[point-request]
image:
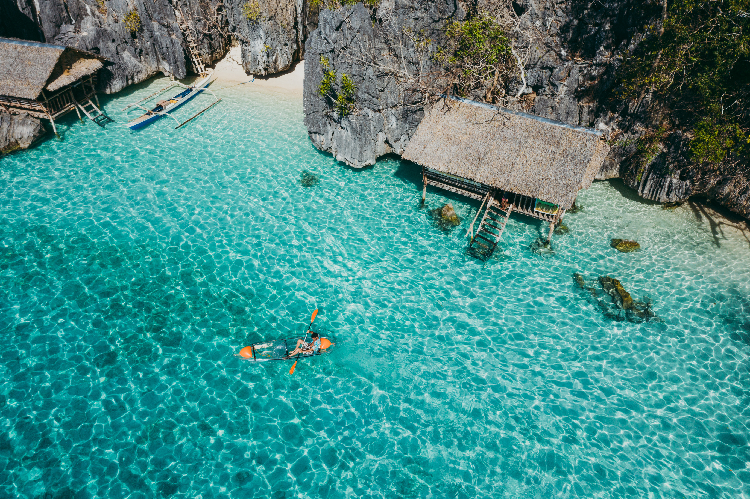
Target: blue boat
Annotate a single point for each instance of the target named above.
(163, 107)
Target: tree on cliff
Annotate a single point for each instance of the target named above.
(695, 64)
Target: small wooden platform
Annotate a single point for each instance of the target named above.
(496, 207)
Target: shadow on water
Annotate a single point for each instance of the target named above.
(718, 218)
(407, 171)
(629, 193)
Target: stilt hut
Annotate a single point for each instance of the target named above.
(48, 81)
(511, 161)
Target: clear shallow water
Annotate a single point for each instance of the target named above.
(134, 265)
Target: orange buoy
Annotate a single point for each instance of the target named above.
(325, 343)
(247, 352)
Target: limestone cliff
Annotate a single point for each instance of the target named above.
(270, 43)
(572, 50)
(18, 131)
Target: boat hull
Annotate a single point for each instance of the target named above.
(183, 97)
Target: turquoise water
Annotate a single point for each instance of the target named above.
(133, 266)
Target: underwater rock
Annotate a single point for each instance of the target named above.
(614, 288)
(445, 217)
(308, 179)
(625, 245)
(562, 229)
(671, 206)
(541, 247)
(575, 208)
(578, 278)
(618, 304)
(448, 214)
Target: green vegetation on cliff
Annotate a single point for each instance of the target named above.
(335, 4)
(696, 61)
(340, 96)
(478, 55)
(132, 22)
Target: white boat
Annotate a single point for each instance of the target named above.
(163, 107)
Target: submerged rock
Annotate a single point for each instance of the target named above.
(575, 208)
(308, 179)
(562, 229)
(541, 247)
(18, 131)
(671, 206)
(618, 304)
(625, 245)
(445, 217)
(614, 288)
(448, 214)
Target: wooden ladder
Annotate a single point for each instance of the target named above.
(490, 230)
(94, 113)
(198, 65)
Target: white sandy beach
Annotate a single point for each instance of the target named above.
(229, 70)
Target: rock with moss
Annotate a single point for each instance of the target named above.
(616, 302)
(625, 245)
(448, 214)
(18, 131)
(445, 217)
(614, 288)
(561, 229)
(671, 206)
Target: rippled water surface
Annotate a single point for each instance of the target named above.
(133, 266)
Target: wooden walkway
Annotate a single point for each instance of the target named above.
(495, 214)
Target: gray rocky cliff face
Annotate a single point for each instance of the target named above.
(273, 42)
(18, 131)
(269, 45)
(355, 44)
(573, 49)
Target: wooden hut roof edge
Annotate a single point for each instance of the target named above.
(549, 121)
(524, 154)
(26, 67)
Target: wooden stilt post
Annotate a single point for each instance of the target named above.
(551, 229)
(54, 128)
(424, 185)
(93, 90)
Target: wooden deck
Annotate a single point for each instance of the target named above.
(498, 205)
(52, 106)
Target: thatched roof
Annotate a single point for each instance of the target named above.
(508, 150)
(27, 68)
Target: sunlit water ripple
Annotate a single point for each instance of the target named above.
(133, 266)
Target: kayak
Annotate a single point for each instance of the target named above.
(279, 349)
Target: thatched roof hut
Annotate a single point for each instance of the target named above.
(27, 68)
(45, 80)
(507, 150)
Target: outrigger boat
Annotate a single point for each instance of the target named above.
(163, 107)
(280, 349)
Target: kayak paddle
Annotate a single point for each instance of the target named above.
(312, 319)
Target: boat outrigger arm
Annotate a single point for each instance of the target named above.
(163, 108)
(160, 113)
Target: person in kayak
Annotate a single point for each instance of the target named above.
(306, 348)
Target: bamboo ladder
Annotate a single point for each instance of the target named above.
(491, 227)
(195, 59)
(93, 113)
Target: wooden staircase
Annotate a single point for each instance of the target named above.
(94, 113)
(195, 58)
(491, 227)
